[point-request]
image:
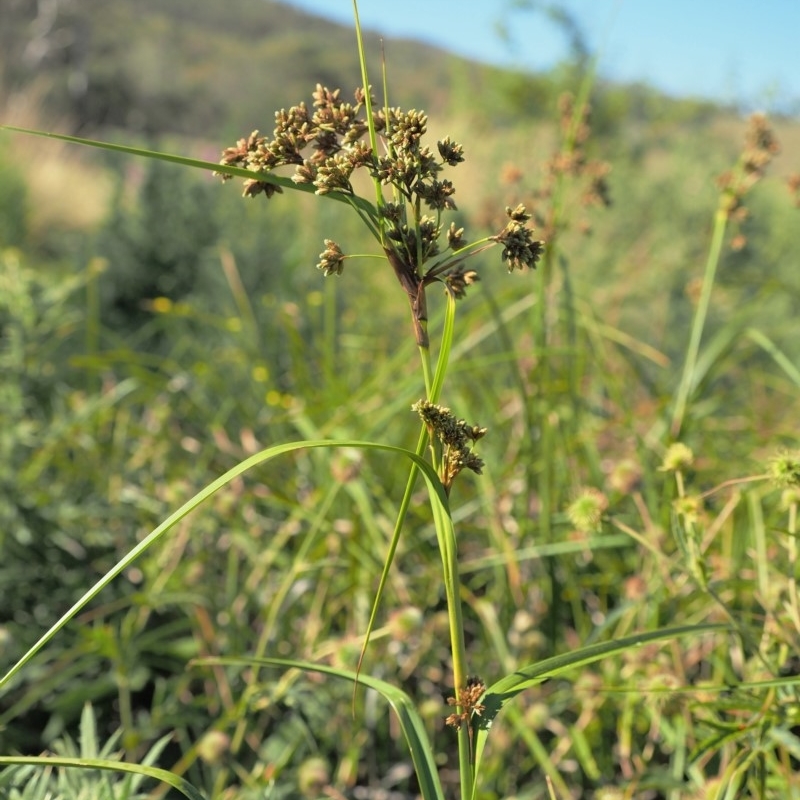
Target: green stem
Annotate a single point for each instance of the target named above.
(686, 384)
(239, 712)
(448, 548)
(329, 340)
(452, 586)
(425, 359)
(125, 704)
(93, 270)
(458, 256)
(544, 406)
(373, 135)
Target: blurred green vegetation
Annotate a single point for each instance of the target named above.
(211, 71)
(193, 67)
(144, 355)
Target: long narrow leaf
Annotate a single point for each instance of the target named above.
(445, 348)
(436, 492)
(175, 781)
(781, 359)
(500, 693)
(410, 722)
(209, 166)
(402, 510)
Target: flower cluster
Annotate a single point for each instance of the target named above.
(586, 511)
(569, 168)
(333, 132)
(331, 261)
(784, 469)
(458, 279)
(456, 436)
(678, 457)
(326, 144)
(520, 249)
(576, 127)
(469, 699)
(793, 184)
(760, 147)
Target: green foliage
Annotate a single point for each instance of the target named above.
(191, 66)
(30, 783)
(13, 202)
(158, 248)
(37, 449)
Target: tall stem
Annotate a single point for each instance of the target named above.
(687, 379)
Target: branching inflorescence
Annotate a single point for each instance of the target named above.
(327, 145)
(456, 438)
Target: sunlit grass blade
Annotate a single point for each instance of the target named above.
(435, 391)
(499, 693)
(410, 722)
(688, 378)
(390, 554)
(176, 782)
(445, 348)
(373, 134)
(503, 691)
(780, 358)
(209, 166)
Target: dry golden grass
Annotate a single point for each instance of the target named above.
(67, 188)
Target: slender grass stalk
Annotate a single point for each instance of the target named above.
(791, 546)
(267, 633)
(698, 323)
(540, 753)
(330, 326)
(373, 136)
(760, 147)
(93, 269)
(166, 777)
(239, 293)
(541, 412)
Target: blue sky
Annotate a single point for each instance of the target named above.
(745, 52)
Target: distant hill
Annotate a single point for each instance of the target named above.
(196, 67)
(212, 70)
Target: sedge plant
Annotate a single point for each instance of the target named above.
(405, 209)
